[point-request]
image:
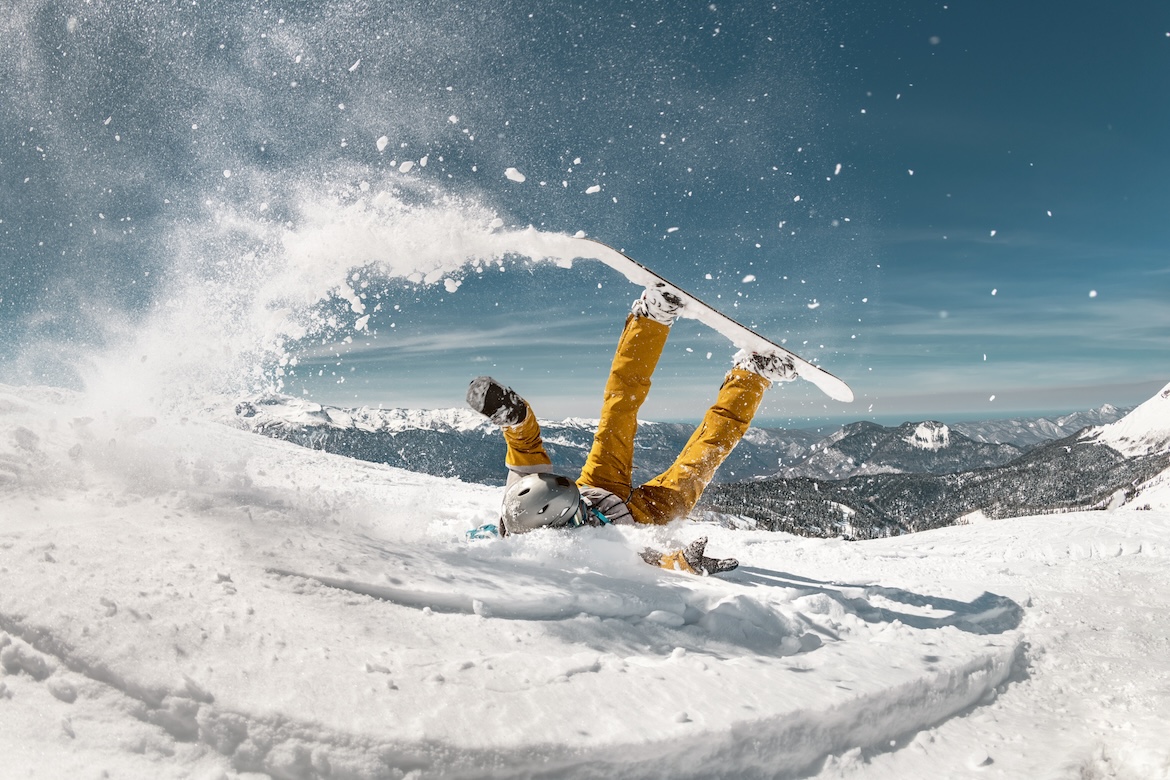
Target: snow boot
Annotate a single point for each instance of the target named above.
(659, 304)
(498, 403)
(773, 366)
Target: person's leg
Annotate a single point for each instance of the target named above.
(610, 463)
(674, 493)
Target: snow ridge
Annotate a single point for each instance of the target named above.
(275, 409)
(1144, 431)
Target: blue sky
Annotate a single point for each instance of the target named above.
(993, 241)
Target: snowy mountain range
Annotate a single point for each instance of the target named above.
(1029, 431)
(460, 443)
(1103, 466)
(929, 447)
(863, 480)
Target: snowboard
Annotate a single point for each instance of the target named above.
(736, 332)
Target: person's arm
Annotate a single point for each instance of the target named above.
(505, 408)
(691, 559)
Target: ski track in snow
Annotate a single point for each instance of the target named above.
(181, 599)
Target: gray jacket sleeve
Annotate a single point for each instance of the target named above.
(614, 509)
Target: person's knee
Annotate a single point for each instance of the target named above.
(657, 505)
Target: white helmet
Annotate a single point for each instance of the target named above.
(541, 501)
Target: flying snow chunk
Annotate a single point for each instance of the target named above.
(227, 174)
(451, 285)
(837, 170)
(796, 199)
(361, 322)
(406, 166)
(354, 67)
(749, 278)
(814, 305)
(515, 175)
(453, 119)
(993, 233)
(594, 189)
(978, 759)
(672, 230)
(1092, 293)
(424, 160)
(383, 142)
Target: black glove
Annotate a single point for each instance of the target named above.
(498, 403)
(689, 559)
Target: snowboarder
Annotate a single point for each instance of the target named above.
(535, 497)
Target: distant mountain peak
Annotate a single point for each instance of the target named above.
(930, 435)
(1144, 431)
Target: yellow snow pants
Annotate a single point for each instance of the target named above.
(673, 493)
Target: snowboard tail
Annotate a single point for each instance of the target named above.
(736, 332)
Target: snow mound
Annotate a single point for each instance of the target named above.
(1144, 431)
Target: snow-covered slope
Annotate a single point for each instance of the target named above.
(181, 599)
(1144, 431)
(1154, 494)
